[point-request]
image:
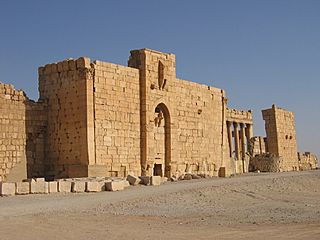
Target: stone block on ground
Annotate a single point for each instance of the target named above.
(133, 180)
(202, 175)
(93, 186)
(53, 187)
(181, 177)
(34, 180)
(7, 189)
(38, 187)
(194, 176)
(78, 186)
(126, 183)
(114, 186)
(164, 179)
(174, 179)
(64, 186)
(22, 188)
(145, 180)
(102, 185)
(187, 176)
(39, 179)
(155, 180)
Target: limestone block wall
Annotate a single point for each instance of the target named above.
(192, 115)
(198, 128)
(281, 136)
(117, 119)
(22, 132)
(67, 87)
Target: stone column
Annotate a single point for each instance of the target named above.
(243, 138)
(249, 131)
(249, 134)
(236, 140)
(229, 131)
(243, 146)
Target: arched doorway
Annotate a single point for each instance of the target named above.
(162, 141)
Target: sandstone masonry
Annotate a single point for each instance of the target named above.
(99, 119)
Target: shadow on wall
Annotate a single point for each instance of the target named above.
(35, 127)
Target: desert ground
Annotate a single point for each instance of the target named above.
(251, 206)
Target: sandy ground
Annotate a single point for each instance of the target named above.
(253, 206)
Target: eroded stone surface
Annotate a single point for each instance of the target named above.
(99, 119)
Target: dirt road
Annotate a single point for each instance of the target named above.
(253, 206)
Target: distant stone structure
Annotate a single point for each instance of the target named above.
(278, 150)
(97, 119)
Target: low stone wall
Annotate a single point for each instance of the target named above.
(265, 163)
(74, 185)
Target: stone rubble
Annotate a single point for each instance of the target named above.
(89, 185)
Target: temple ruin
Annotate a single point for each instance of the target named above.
(96, 118)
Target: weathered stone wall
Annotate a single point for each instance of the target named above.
(191, 115)
(117, 119)
(266, 163)
(22, 133)
(108, 120)
(67, 87)
(281, 136)
(307, 161)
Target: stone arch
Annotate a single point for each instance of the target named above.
(162, 120)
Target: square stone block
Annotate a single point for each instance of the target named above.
(133, 180)
(126, 183)
(39, 187)
(78, 186)
(39, 179)
(7, 189)
(145, 180)
(93, 186)
(64, 186)
(155, 180)
(102, 185)
(53, 187)
(114, 186)
(22, 188)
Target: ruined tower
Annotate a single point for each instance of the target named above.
(281, 136)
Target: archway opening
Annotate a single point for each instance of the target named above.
(162, 141)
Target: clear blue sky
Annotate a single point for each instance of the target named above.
(260, 52)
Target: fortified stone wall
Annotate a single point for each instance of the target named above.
(102, 119)
(281, 136)
(182, 123)
(67, 88)
(117, 119)
(22, 133)
(109, 120)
